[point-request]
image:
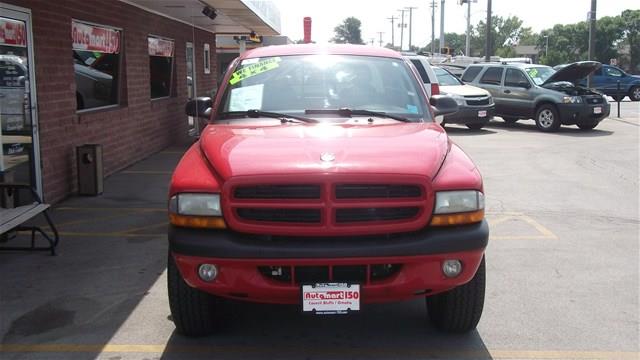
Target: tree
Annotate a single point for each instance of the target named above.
(630, 20)
(348, 32)
(505, 33)
(451, 40)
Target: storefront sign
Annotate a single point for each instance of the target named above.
(160, 47)
(13, 32)
(95, 38)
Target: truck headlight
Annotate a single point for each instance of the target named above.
(572, 99)
(200, 210)
(458, 207)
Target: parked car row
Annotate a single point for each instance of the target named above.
(518, 91)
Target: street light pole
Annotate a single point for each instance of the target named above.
(467, 45)
(487, 45)
(410, 8)
(433, 24)
(441, 25)
(546, 46)
(592, 35)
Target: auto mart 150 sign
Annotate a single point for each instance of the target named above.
(95, 38)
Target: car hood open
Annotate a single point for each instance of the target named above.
(574, 72)
(295, 149)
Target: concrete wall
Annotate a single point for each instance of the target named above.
(130, 132)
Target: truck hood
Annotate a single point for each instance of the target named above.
(386, 147)
(574, 72)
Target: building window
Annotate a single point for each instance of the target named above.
(160, 66)
(96, 64)
(207, 59)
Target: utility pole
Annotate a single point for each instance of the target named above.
(441, 25)
(401, 28)
(371, 40)
(433, 24)
(487, 44)
(592, 35)
(393, 20)
(380, 35)
(410, 8)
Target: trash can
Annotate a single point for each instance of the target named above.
(90, 174)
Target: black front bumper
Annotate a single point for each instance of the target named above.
(228, 244)
(572, 114)
(469, 115)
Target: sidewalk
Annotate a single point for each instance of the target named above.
(117, 238)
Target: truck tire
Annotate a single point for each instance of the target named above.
(547, 118)
(459, 310)
(192, 310)
(634, 93)
(510, 119)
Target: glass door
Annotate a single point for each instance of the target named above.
(19, 158)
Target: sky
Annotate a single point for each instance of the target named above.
(537, 14)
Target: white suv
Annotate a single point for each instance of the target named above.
(427, 74)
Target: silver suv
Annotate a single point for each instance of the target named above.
(552, 98)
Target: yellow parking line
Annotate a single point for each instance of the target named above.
(147, 227)
(539, 227)
(472, 354)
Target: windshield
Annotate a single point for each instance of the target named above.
(445, 78)
(296, 84)
(539, 74)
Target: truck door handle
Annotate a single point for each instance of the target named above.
(507, 91)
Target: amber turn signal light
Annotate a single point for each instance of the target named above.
(202, 222)
(457, 218)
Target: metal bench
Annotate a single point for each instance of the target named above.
(13, 218)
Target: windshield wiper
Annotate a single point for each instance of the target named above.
(255, 113)
(346, 112)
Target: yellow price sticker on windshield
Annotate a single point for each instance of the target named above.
(254, 69)
(533, 72)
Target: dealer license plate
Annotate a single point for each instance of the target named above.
(330, 298)
(597, 110)
(482, 113)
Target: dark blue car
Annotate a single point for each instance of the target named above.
(605, 80)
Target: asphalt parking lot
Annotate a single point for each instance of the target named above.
(563, 268)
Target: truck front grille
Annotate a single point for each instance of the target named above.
(336, 205)
(593, 99)
(477, 101)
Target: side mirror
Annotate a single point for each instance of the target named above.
(443, 105)
(199, 107)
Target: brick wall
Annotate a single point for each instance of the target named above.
(131, 132)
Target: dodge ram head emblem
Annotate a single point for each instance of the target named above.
(327, 157)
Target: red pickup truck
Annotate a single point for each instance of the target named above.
(322, 180)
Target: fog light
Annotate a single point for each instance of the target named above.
(207, 272)
(452, 268)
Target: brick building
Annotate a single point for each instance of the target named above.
(114, 73)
